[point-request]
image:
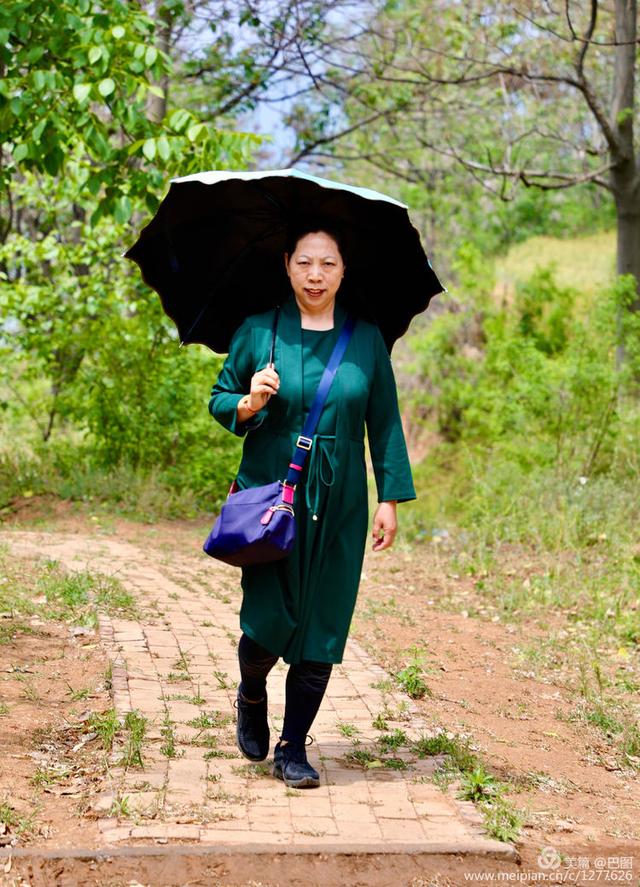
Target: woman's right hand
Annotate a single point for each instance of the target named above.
(264, 383)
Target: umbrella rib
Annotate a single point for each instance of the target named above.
(230, 267)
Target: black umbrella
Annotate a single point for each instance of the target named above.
(214, 249)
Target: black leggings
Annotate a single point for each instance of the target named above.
(305, 687)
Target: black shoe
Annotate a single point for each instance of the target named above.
(290, 764)
(252, 728)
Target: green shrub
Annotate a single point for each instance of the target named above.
(539, 426)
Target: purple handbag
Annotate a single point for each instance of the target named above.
(257, 525)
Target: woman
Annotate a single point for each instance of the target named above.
(300, 608)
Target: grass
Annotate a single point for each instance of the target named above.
(224, 682)
(392, 741)
(348, 730)
(586, 263)
(214, 719)
(106, 725)
(410, 677)
(501, 819)
(120, 807)
(44, 588)
(380, 722)
(168, 747)
(135, 727)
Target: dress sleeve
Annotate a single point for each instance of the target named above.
(234, 382)
(387, 445)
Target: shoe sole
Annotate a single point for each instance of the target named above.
(305, 782)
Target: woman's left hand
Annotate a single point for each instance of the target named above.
(385, 525)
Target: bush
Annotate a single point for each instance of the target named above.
(539, 426)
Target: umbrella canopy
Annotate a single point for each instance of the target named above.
(214, 251)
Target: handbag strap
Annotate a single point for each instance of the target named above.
(305, 440)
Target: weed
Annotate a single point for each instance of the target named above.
(456, 750)
(29, 690)
(385, 685)
(392, 741)
(77, 695)
(410, 677)
(120, 807)
(477, 785)
(214, 777)
(214, 719)
(348, 729)
(363, 757)
(135, 726)
(502, 821)
(379, 722)
(197, 699)
(176, 677)
(253, 771)
(207, 624)
(223, 680)
(630, 745)
(4, 709)
(106, 725)
(219, 753)
(7, 815)
(48, 775)
(395, 764)
(108, 677)
(182, 662)
(168, 747)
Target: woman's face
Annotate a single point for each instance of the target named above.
(315, 270)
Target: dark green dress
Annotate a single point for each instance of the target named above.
(300, 608)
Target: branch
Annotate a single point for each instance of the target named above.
(564, 180)
(587, 38)
(326, 140)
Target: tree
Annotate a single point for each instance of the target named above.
(540, 95)
(76, 79)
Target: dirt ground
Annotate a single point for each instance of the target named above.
(567, 783)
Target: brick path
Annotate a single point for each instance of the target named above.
(177, 667)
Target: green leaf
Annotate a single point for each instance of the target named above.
(38, 129)
(95, 53)
(156, 90)
(106, 87)
(53, 161)
(118, 32)
(164, 148)
(194, 132)
(20, 152)
(93, 184)
(135, 146)
(179, 119)
(123, 210)
(149, 149)
(39, 80)
(150, 56)
(81, 92)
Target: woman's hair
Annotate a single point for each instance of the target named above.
(303, 225)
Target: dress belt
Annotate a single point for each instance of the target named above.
(321, 470)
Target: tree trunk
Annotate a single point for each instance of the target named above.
(625, 174)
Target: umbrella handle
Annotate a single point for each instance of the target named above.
(273, 337)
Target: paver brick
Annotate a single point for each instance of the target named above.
(370, 807)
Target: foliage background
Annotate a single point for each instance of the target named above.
(514, 378)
